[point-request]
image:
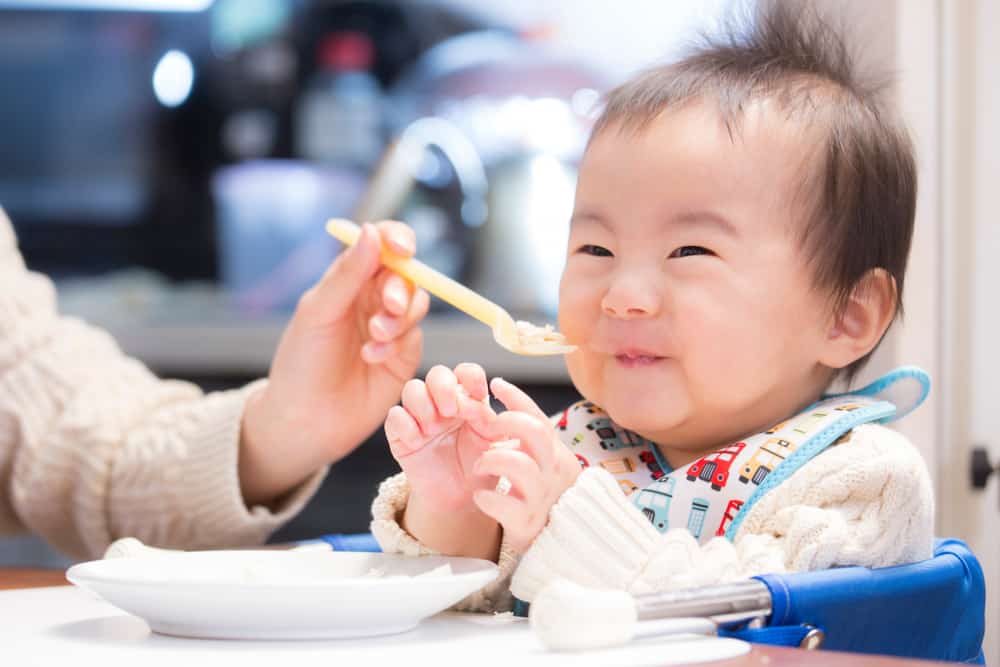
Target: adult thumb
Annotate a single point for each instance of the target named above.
(341, 284)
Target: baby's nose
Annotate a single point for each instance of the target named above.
(629, 298)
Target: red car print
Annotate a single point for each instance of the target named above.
(727, 518)
(655, 471)
(563, 421)
(584, 463)
(714, 468)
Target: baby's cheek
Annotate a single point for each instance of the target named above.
(723, 356)
(584, 373)
(578, 314)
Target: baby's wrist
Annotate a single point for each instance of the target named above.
(462, 531)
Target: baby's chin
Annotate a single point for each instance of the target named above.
(646, 418)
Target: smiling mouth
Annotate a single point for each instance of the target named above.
(629, 360)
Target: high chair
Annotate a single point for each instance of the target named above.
(934, 609)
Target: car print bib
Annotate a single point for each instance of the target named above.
(710, 496)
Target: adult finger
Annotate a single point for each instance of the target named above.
(395, 292)
(398, 237)
(344, 280)
(407, 347)
(385, 326)
(420, 303)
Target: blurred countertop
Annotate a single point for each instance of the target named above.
(195, 330)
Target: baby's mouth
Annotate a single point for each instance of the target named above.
(637, 359)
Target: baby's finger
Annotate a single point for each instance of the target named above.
(537, 437)
(473, 378)
(397, 237)
(510, 512)
(514, 399)
(443, 387)
(474, 403)
(520, 470)
(402, 432)
(417, 401)
(477, 413)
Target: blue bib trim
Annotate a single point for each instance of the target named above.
(905, 377)
(880, 412)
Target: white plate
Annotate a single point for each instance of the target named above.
(282, 594)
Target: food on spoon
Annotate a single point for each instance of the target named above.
(531, 334)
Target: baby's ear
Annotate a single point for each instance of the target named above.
(859, 326)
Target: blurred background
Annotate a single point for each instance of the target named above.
(170, 164)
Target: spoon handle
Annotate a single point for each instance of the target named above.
(420, 274)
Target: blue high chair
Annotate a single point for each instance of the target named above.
(934, 609)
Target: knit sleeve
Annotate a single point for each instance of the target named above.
(387, 507)
(94, 447)
(868, 501)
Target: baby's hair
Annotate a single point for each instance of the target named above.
(861, 181)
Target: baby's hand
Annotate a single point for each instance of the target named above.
(537, 471)
(437, 434)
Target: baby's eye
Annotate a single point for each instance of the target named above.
(689, 251)
(595, 250)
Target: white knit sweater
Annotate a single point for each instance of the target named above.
(94, 447)
(866, 502)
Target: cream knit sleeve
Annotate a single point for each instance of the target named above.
(94, 447)
(390, 502)
(868, 501)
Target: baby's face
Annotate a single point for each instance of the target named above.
(686, 287)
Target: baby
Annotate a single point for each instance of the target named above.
(739, 241)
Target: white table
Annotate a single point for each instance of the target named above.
(69, 626)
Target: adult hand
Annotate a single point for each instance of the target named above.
(351, 345)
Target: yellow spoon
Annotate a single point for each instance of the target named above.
(518, 337)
